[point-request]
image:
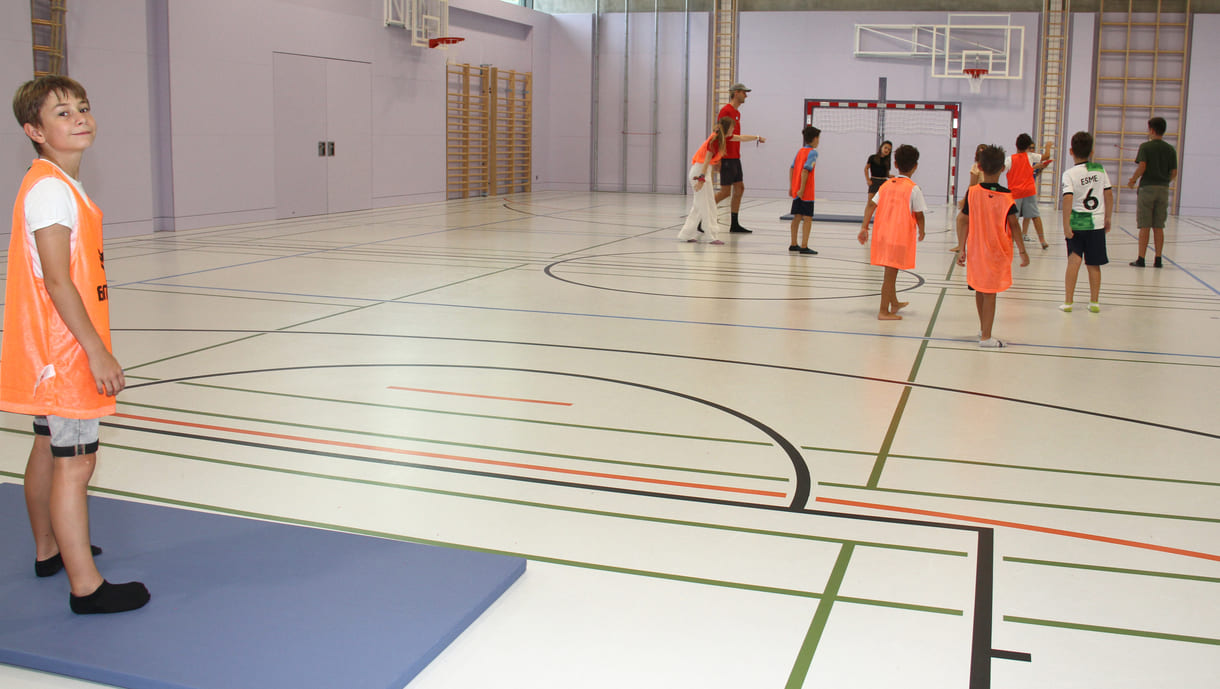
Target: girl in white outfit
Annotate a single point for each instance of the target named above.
(703, 208)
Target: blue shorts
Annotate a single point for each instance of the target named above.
(69, 437)
(802, 208)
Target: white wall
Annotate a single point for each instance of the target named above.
(223, 121)
(786, 57)
(1199, 156)
(641, 41)
(108, 54)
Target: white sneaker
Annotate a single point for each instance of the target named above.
(1094, 307)
(991, 343)
(1066, 308)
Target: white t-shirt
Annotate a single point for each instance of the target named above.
(1086, 182)
(918, 204)
(51, 202)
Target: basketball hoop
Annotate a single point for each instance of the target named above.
(976, 75)
(446, 41)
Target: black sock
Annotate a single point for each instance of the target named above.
(110, 598)
(735, 223)
(52, 565)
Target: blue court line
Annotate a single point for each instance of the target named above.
(1175, 264)
(918, 338)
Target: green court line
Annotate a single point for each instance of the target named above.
(526, 503)
(1092, 358)
(840, 451)
(1026, 503)
(1024, 467)
(1113, 630)
(532, 453)
(804, 658)
(536, 558)
(882, 454)
(482, 416)
(1114, 570)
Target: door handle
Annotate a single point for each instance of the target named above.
(330, 148)
(321, 149)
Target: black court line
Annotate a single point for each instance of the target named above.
(611, 350)
(551, 272)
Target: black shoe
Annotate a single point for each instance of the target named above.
(739, 229)
(1138, 263)
(807, 250)
(794, 247)
(1156, 262)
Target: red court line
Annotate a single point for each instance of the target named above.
(1028, 527)
(485, 397)
(458, 458)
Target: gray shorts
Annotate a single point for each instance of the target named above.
(1151, 207)
(69, 437)
(1027, 207)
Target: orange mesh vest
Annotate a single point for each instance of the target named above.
(43, 369)
(798, 165)
(895, 231)
(1021, 176)
(989, 243)
(714, 145)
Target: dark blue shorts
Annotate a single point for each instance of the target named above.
(1091, 244)
(800, 207)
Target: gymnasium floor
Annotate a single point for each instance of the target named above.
(724, 471)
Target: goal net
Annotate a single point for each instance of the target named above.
(853, 130)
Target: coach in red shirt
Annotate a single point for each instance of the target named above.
(731, 177)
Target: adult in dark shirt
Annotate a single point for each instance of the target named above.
(877, 168)
(1156, 167)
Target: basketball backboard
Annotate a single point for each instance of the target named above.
(965, 41)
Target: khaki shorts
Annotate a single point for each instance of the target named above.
(69, 437)
(1152, 207)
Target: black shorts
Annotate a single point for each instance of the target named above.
(874, 185)
(730, 171)
(1091, 244)
(802, 208)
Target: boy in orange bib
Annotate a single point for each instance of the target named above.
(986, 228)
(899, 205)
(56, 363)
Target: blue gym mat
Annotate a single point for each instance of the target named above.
(241, 603)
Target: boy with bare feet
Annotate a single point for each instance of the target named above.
(899, 206)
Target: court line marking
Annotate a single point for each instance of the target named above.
(1020, 467)
(494, 448)
(1026, 527)
(1025, 503)
(455, 458)
(913, 607)
(778, 367)
(1077, 626)
(891, 432)
(483, 397)
(1175, 264)
(493, 417)
(1112, 570)
(817, 626)
(817, 331)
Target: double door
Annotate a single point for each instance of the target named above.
(323, 135)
